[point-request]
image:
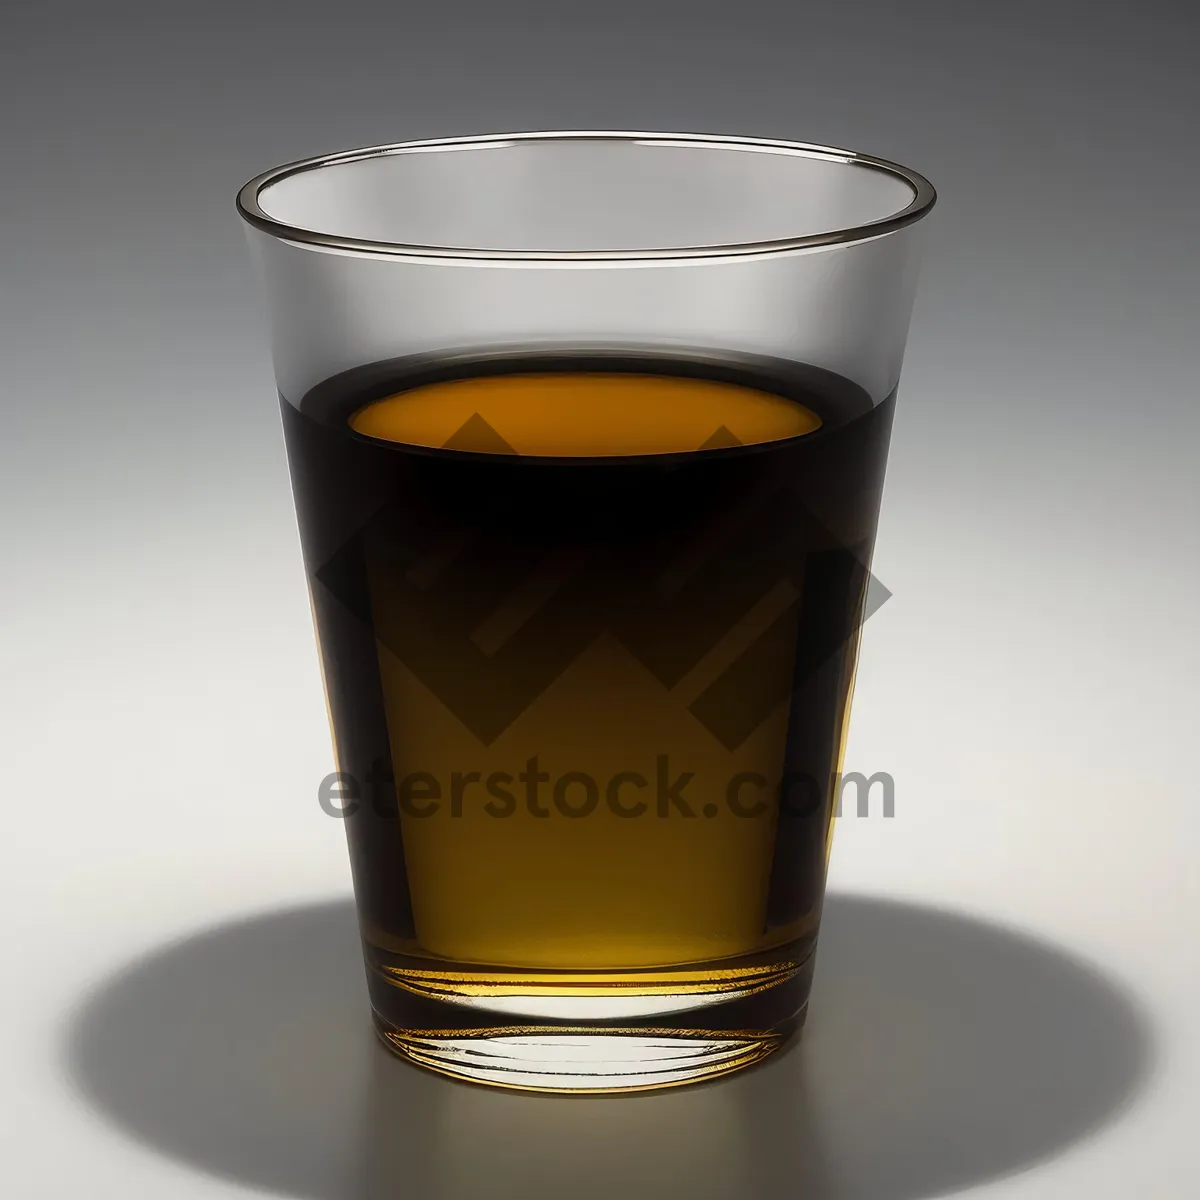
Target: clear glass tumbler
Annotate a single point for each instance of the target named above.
(587, 434)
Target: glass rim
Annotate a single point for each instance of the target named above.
(249, 208)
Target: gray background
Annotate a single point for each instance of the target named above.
(1030, 686)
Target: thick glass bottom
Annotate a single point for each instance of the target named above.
(581, 1058)
(594, 1032)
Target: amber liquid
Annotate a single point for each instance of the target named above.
(588, 627)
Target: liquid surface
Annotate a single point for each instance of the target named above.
(583, 415)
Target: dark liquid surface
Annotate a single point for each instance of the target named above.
(591, 708)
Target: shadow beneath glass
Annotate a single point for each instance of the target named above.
(940, 1052)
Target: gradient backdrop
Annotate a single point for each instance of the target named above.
(1030, 686)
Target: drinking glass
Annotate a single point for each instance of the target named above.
(587, 433)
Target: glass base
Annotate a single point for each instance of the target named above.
(580, 1058)
(573, 1033)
